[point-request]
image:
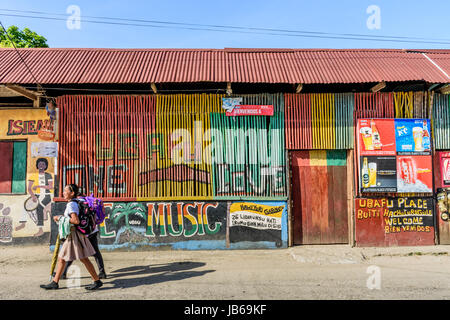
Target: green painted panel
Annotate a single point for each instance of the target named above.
(19, 167)
(336, 157)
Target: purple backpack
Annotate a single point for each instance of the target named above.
(96, 206)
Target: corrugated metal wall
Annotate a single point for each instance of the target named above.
(326, 121)
(138, 147)
(441, 121)
(319, 121)
(250, 159)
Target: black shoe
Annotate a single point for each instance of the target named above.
(51, 286)
(102, 275)
(97, 284)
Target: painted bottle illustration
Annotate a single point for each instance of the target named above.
(376, 141)
(418, 138)
(373, 174)
(426, 137)
(365, 174)
(366, 133)
(408, 170)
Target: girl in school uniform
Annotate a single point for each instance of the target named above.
(76, 246)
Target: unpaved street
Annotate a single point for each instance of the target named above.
(304, 272)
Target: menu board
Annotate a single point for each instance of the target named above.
(394, 155)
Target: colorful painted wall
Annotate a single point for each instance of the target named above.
(135, 148)
(27, 178)
(181, 150)
(193, 225)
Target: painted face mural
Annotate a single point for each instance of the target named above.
(38, 205)
(29, 187)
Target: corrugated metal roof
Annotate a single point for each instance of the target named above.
(308, 66)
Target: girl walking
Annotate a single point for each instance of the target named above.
(76, 246)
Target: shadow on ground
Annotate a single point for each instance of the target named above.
(152, 274)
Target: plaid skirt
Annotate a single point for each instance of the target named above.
(76, 246)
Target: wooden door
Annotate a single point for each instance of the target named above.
(319, 193)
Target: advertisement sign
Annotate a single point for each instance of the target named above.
(445, 168)
(378, 174)
(414, 174)
(257, 221)
(394, 221)
(376, 137)
(251, 110)
(256, 216)
(395, 155)
(412, 136)
(230, 103)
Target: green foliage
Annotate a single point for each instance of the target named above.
(125, 210)
(22, 39)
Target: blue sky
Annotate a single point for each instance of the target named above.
(424, 19)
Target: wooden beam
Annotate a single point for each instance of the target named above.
(378, 86)
(299, 88)
(6, 93)
(16, 104)
(153, 85)
(32, 95)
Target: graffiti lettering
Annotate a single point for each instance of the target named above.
(128, 146)
(115, 177)
(29, 127)
(250, 180)
(192, 219)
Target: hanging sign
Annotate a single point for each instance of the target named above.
(251, 110)
(445, 168)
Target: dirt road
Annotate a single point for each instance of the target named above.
(305, 272)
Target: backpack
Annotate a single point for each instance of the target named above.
(90, 214)
(97, 206)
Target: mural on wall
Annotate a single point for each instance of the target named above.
(394, 221)
(253, 221)
(190, 224)
(38, 205)
(169, 147)
(27, 208)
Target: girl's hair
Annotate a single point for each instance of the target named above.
(74, 188)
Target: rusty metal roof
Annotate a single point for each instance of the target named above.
(308, 66)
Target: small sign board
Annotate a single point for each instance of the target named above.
(251, 110)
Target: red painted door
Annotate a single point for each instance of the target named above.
(6, 163)
(319, 193)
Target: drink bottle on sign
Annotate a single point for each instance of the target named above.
(426, 137)
(408, 171)
(418, 138)
(366, 133)
(376, 142)
(365, 174)
(373, 174)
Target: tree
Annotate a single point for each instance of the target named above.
(125, 210)
(22, 39)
